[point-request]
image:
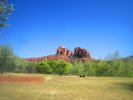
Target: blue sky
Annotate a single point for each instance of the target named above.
(38, 27)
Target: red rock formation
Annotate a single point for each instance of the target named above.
(81, 53)
(53, 57)
(63, 53)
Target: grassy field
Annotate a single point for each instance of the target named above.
(69, 88)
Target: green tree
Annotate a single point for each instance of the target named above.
(114, 67)
(52, 64)
(62, 67)
(101, 68)
(113, 56)
(78, 68)
(7, 58)
(89, 68)
(20, 65)
(5, 10)
(44, 68)
(116, 55)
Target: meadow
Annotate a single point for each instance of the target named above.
(55, 87)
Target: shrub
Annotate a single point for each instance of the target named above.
(43, 67)
(78, 68)
(62, 67)
(126, 68)
(89, 68)
(19, 68)
(113, 67)
(31, 67)
(101, 68)
(52, 64)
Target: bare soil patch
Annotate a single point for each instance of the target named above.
(12, 78)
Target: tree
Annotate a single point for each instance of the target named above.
(62, 67)
(78, 68)
(89, 68)
(44, 68)
(5, 10)
(7, 58)
(116, 55)
(113, 56)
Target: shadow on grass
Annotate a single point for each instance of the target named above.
(128, 86)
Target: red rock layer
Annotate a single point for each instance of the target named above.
(63, 53)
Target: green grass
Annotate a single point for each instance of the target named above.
(70, 88)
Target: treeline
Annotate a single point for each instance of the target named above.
(99, 68)
(11, 63)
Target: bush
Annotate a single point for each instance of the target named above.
(62, 67)
(43, 67)
(126, 68)
(89, 68)
(78, 68)
(52, 64)
(31, 67)
(101, 68)
(19, 68)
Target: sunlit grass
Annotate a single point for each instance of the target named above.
(69, 88)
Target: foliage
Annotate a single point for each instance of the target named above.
(88, 69)
(52, 64)
(113, 56)
(31, 67)
(104, 68)
(62, 67)
(116, 67)
(22, 66)
(78, 68)
(5, 10)
(44, 68)
(7, 58)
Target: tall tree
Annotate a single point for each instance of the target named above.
(5, 10)
(7, 58)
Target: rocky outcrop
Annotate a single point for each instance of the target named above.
(80, 54)
(50, 57)
(63, 51)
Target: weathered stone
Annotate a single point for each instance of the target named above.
(80, 54)
(63, 51)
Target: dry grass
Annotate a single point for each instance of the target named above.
(69, 88)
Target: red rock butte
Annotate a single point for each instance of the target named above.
(80, 54)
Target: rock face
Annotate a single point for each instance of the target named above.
(80, 54)
(63, 51)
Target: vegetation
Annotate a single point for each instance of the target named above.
(100, 68)
(7, 59)
(57, 87)
(111, 67)
(62, 67)
(43, 67)
(5, 10)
